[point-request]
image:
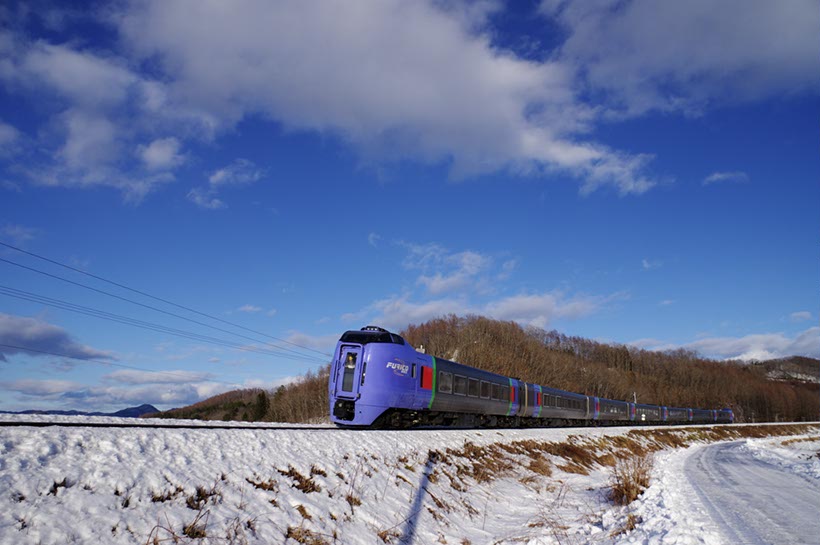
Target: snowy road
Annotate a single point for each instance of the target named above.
(753, 502)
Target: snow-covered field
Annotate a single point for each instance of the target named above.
(114, 485)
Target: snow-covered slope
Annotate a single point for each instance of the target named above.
(115, 485)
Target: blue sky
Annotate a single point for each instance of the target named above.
(634, 172)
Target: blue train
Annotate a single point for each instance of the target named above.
(378, 380)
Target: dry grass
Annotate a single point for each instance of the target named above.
(200, 497)
(541, 466)
(304, 536)
(353, 500)
(809, 439)
(300, 482)
(270, 485)
(162, 497)
(58, 485)
(304, 512)
(486, 463)
(630, 524)
(630, 477)
(389, 535)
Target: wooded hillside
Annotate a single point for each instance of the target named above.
(678, 378)
(305, 400)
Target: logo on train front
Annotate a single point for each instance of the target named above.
(400, 369)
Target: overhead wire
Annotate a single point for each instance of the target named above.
(166, 301)
(182, 374)
(127, 320)
(126, 299)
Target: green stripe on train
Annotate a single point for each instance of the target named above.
(433, 394)
(509, 407)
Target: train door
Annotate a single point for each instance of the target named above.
(349, 371)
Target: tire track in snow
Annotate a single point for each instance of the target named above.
(752, 502)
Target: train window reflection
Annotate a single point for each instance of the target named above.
(445, 382)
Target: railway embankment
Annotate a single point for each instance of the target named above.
(142, 485)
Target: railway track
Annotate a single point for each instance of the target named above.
(34, 424)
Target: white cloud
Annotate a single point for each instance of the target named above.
(649, 264)
(444, 271)
(9, 136)
(18, 235)
(161, 154)
(97, 109)
(717, 177)
(686, 56)
(396, 312)
(40, 388)
(373, 239)
(32, 337)
(91, 141)
(360, 72)
(249, 309)
(204, 199)
(83, 78)
(240, 172)
(129, 376)
(465, 283)
(759, 346)
(323, 343)
(539, 309)
(67, 394)
(801, 316)
(507, 269)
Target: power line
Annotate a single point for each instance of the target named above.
(85, 286)
(126, 320)
(123, 286)
(132, 367)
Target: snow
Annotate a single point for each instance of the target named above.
(140, 485)
(754, 491)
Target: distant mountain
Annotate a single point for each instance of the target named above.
(795, 368)
(131, 412)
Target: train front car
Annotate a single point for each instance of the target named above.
(373, 370)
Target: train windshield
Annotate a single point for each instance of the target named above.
(365, 337)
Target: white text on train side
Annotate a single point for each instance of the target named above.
(398, 368)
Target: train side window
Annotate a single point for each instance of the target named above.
(472, 387)
(414, 370)
(460, 385)
(497, 392)
(445, 382)
(505, 393)
(485, 389)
